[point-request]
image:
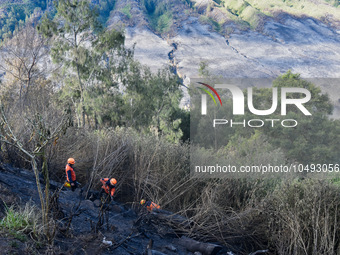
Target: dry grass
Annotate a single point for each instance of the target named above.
(316, 9)
(254, 13)
(290, 217)
(150, 167)
(304, 218)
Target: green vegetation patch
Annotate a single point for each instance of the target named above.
(14, 14)
(105, 7)
(253, 12)
(188, 3)
(164, 22)
(21, 221)
(126, 10)
(252, 16)
(245, 12)
(214, 24)
(159, 14)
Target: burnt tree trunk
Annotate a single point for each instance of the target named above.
(204, 248)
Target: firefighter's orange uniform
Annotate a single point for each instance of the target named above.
(70, 174)
(109, 185)
(150, 205)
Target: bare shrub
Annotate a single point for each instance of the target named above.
(229, 211)
(28, 132)
(303, 218)
(150, 167)
(145, 165)
(292, 218)
(98, 154)
(23, 57)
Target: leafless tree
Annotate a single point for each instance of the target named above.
(43, 134)
(22, 58)
(29, 120)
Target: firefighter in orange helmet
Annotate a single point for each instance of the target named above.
(149, 205)
(70, 174)
(109, 186)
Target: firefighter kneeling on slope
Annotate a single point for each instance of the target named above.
(149, 205)
(109, 186)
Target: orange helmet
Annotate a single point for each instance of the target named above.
(113, 181)
(142, 202)
(71, 161)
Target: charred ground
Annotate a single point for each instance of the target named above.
(84, 224)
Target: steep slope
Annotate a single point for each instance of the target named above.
(287, 37)
(130, 230)
(304, 45)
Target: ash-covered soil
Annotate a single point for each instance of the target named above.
(85, 225)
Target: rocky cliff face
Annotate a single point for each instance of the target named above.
(304, 45)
